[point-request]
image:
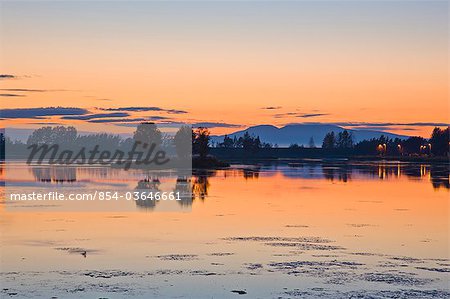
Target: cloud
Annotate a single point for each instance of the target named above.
(308, 115)
(23, 90)
(45, 123)
(135, 109)
(158, 117)
(299, 114)
(174, 111)
(281, 115)
(379, 126)
(40, 112)
(385, 128)
(132, 122)
(127, 120)
(272, 108)
(164, 124)
(7, 76)
(11, 95)
(124, 120)
(96, 116)
(144, 109)
(215, 125)
(33, 90)
(402, 129)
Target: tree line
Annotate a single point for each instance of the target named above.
(67, 137)
(436, 145)
(247, 142)
(200, 141)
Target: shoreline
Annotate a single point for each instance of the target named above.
(224, 162)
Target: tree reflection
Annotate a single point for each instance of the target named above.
(439, 176)
(55, 174)
(251, 173)
(200, 185)
(190, 189)
(196, 186)
(145, 187)
(183, 188)
(332, 172)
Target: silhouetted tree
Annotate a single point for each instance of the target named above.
(256, 143)
(148, 133)
(439, 142)
(266, 145)
(377, 146)
(200, 142)
(249, 143)
(311, 142)
(53, 135)
(412, 145)
(106, 141)
(235, 142)
(227, 142)
(183, 141)
(329, 141)
(367, 147)
(344, 140)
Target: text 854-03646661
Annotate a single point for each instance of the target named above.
(97, 195)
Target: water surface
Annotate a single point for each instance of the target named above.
(262, 231)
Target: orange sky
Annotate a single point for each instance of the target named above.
(315, 63)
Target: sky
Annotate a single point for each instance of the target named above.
(105, 66)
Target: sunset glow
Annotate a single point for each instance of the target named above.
(381, 65)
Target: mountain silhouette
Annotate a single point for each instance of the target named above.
(302, 133)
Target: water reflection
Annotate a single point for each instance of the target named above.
(439, 177)
(144, 187)
(200, 185)
(251, 173)
(310, 219)
(437, 174)
(195, 186)
(184, 189)
(55, 174)
(331, 172)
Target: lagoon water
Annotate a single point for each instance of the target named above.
(309, 229)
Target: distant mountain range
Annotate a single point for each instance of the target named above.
(284, 136)
(301, 134)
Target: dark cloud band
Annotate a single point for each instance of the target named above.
(215, 125)
(40, 112)
(7, 95)
(97, 116)
(7, 76)
(144, 109)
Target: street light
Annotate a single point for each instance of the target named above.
(381, 148)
